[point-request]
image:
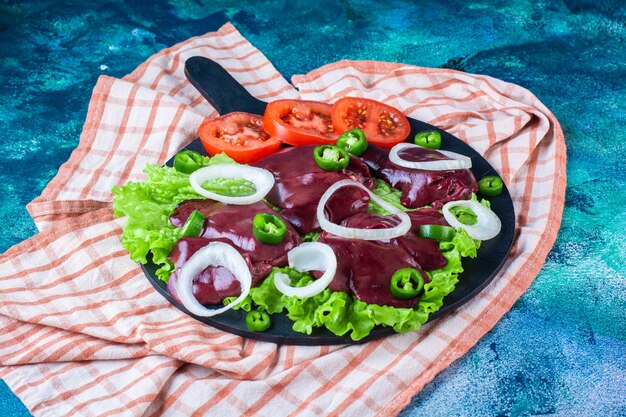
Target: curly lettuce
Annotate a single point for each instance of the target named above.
(311, 237)
(387, 193)
(148, 205)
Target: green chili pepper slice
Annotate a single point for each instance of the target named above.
(188, 161)
(268, 228)
(331, 157)
(353, 141)
(406, 283)
(258, 321)
(465, 215)
(430, 139)
(437, 232)
(490, 185)
(194, 224)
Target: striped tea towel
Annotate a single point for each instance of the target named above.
(85, 334)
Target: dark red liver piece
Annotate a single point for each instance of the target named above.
(184, 210)
(424, 251)
(233, 225)
(419, 187)
(300, 183)
(213, 284)
(365, 268)
(346, 202)
(425, 216)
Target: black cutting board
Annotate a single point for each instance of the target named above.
(227, 95)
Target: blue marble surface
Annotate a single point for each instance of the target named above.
(561, 350)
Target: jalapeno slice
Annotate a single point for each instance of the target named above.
(353, 141)
(194, 224)
(188, 161)
(437, 232)
(268, 228)
(406, 283)
(331, 157)
(430, 139)
(490, 185)
(258, 321)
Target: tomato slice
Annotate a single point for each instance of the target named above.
(383, 125)
(239, 135)
(300, 122)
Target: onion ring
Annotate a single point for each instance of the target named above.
(309, 256)
(355, 233)
(213, 254)
(262, 179)
(458, 161)
(487, 225)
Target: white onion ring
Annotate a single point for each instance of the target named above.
(309, 256)
(262, 179)
(458, 161)
(487, 225)
(213, 254)
(355, 233)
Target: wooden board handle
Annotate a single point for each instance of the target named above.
(220, 89)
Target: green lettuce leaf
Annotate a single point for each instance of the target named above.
(484, 202)
(311, 237)
(147, 206)
(389, 194)
(220, 159)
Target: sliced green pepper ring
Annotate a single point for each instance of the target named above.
(331, 157)
(437, 232)
(430, 139)
(490, 185)
(268, 228)
(353, 141)
(194, 224)
(188, 161)
(406, 283)
(258, 321)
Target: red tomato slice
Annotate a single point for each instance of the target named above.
(300, 122)
(239, 135)
(383, 125)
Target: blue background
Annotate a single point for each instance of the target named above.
(561, 350)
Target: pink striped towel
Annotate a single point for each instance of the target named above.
(85, 334)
